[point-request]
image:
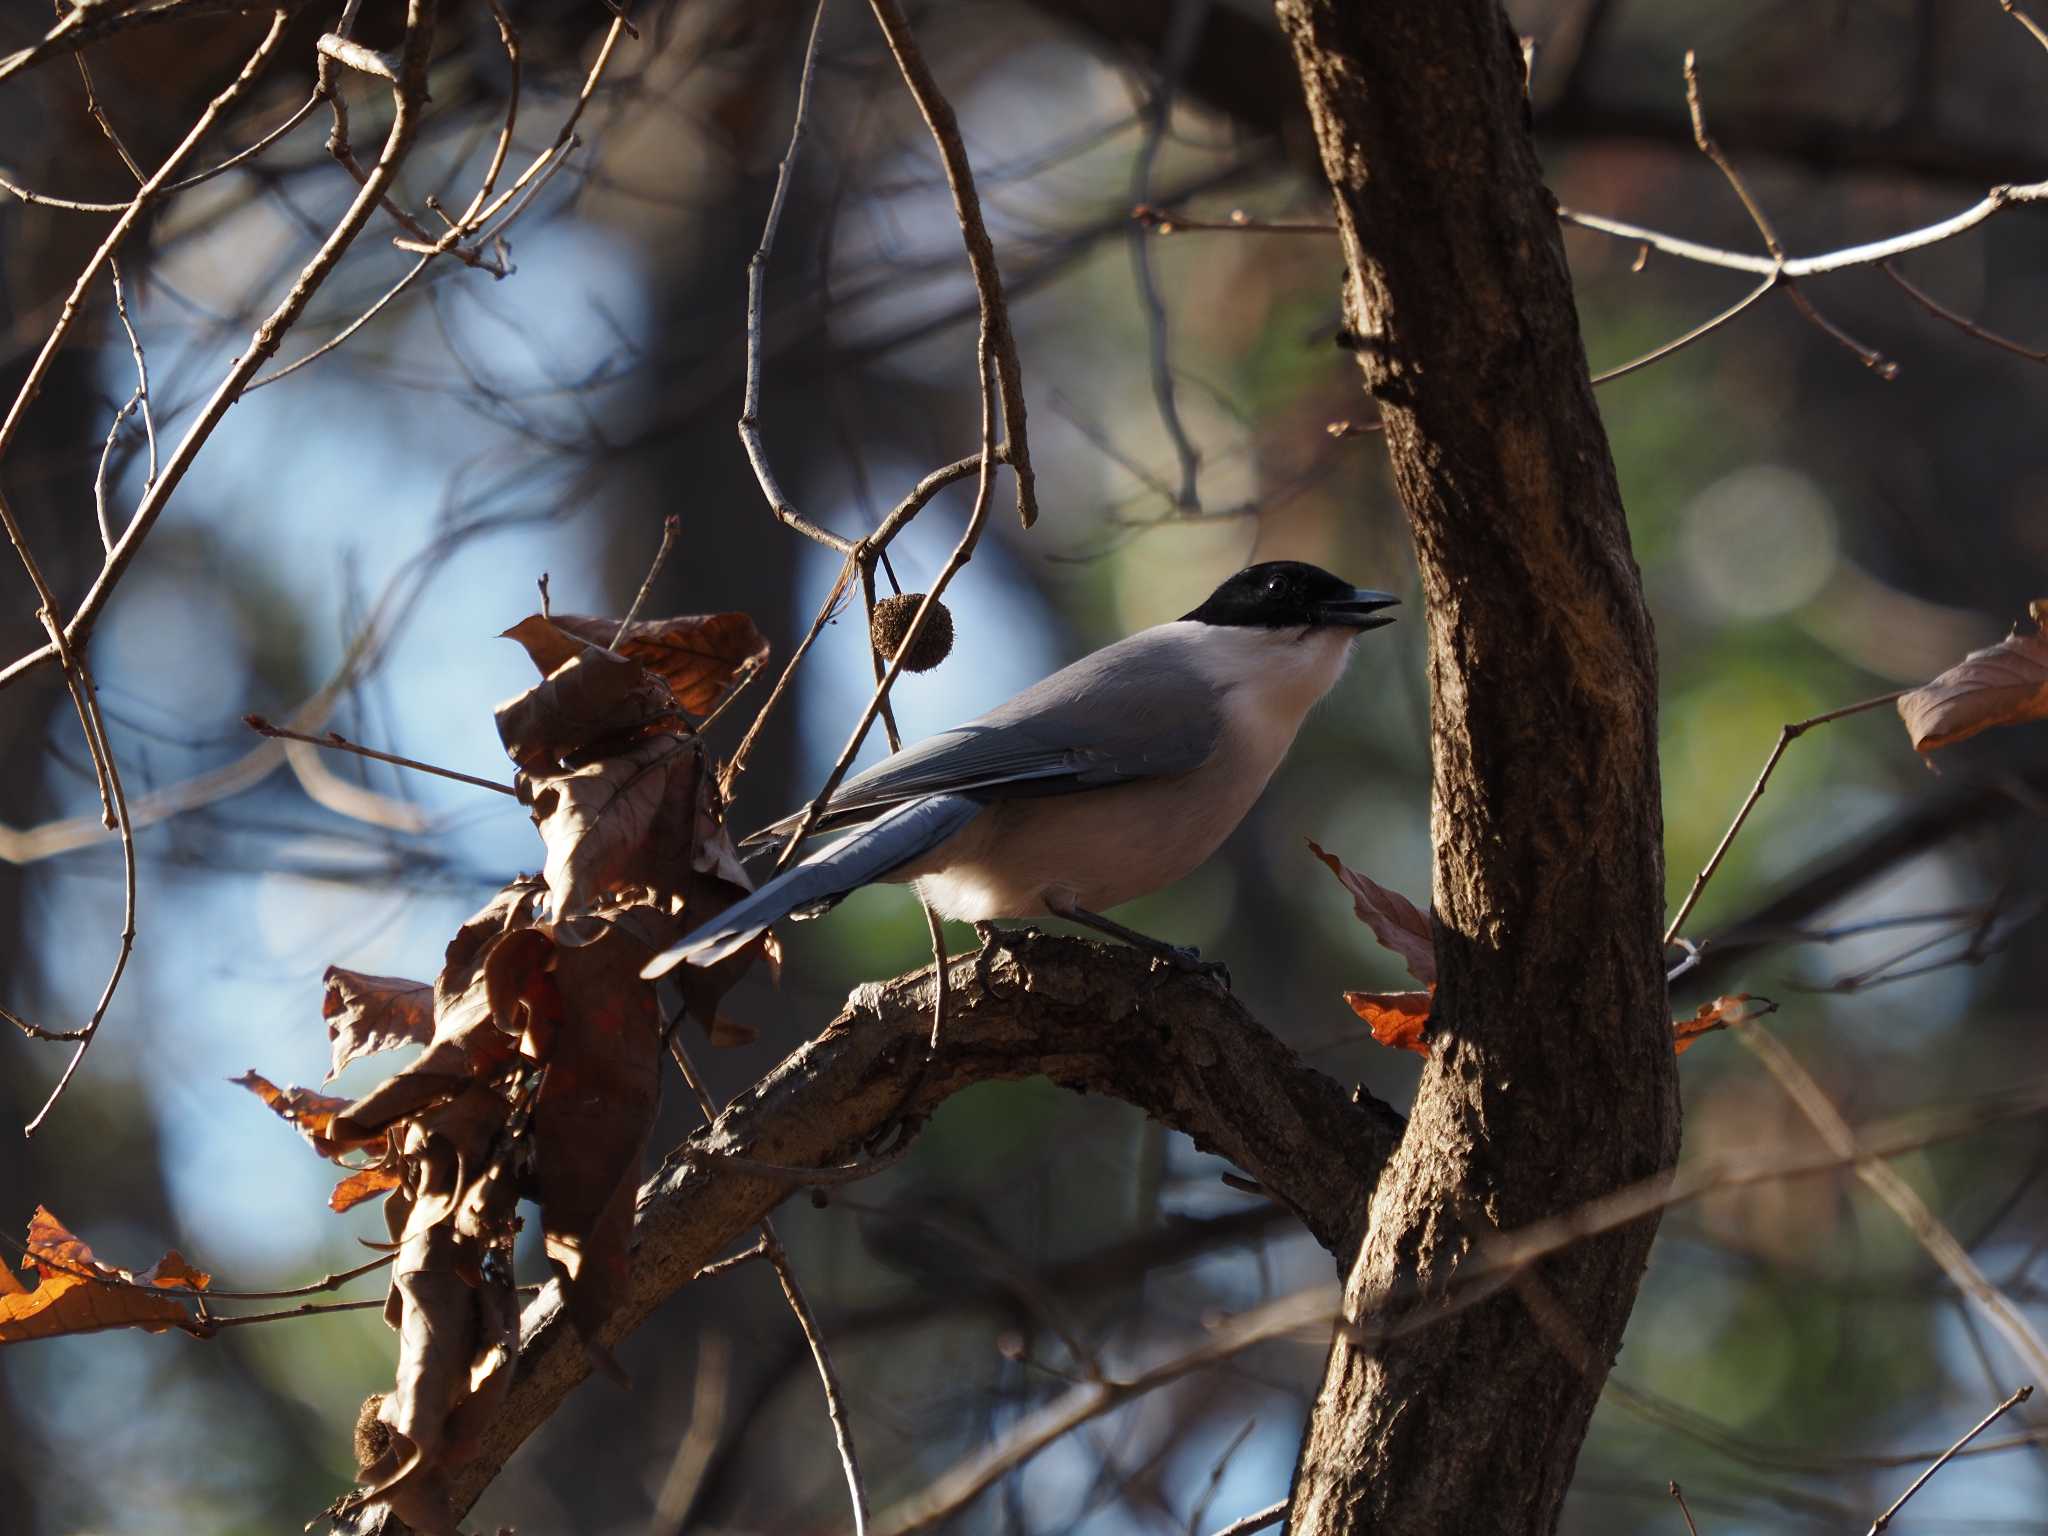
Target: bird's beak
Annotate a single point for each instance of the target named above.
(1361, 610)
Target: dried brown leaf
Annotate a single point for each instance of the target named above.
(1396, 922)
(2003, 684)
(593, 698)
(697, 655)
(363, 1184)
(1399, 1019)
(76, 1293)
(642, 824)
(366, 1014)
(462, 991)
(311, 1114)
(591, 1122)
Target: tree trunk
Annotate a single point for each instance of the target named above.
(1553, 1079)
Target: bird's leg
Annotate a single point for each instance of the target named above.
(1181, 957)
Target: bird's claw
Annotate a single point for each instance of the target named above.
(996, 941)
(1189, 959)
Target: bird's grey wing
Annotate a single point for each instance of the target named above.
(866, 855)
(1132, 710)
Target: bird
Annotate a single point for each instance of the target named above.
(1111, 779)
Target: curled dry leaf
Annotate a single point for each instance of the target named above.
(1396, 922)
(643, 826)
(1399, 1019)
(311, 1114)
(2003, 684)
(366, 1014)
(600, 820)
(697, 655)
(591, 699)
(76, 1293)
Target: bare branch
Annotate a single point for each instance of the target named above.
(1786, 736)
(1885, 1519)
(408, 96)
(757, 274)
(981, 251)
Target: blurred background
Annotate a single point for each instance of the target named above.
(1810, 534)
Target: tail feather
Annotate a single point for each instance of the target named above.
(857, 859)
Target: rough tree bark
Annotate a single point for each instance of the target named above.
(1553, 1080)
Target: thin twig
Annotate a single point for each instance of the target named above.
(785, 1275)
(757, 275)
(963, 551)
(408, 97)
(1786, 736)
(1183, 28)
(981, 251)
(2034, 27)
(1678, 1498)
(1963, 323)
(1216, 1471)
(670, 527)
(1164, 221)
(1712, 150)
(1257, 1520)
(956, 1488)
(114, 814)
(331, 1283)
(1885, 1519)
(1884, 368)
(826, 609)
(210, 1325)
(1677, 344)
(339, 743)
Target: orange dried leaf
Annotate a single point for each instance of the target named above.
(1717, 1014)
(697, 655)
(76, 1293)
(2003, 684)
(310, 1114)
(1396, 922)
(1399, 1019)
(365, 1014)
(364, 1184)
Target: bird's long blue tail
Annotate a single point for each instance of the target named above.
(887, 843)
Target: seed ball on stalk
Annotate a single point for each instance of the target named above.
(373, 1435)
(891, 623)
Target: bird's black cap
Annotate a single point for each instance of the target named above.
(1288, 594)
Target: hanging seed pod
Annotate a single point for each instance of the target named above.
(892, 622)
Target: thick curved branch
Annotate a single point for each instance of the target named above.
(1091, 1017)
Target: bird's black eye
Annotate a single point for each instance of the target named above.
(1276, 584)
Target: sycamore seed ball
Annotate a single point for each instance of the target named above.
(892, 622)
(373, 1435)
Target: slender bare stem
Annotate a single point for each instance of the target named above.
(1786, 736)
(339, 743)
(1885, 1519)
